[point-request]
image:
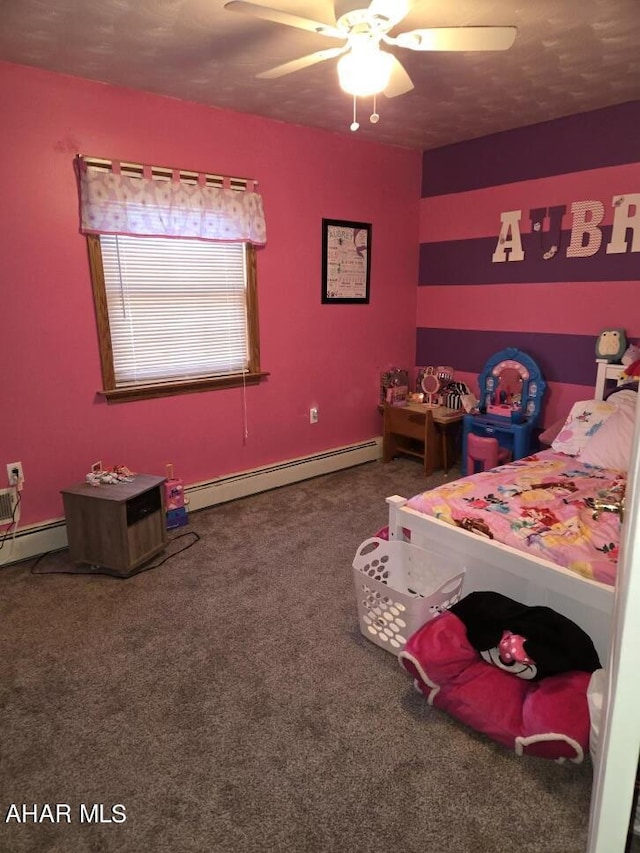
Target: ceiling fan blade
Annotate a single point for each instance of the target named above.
(393, 10)
(456, 38)
(303, 62)
(400, 81)
(279, 17)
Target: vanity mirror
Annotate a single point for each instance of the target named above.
(511, 386)
(432, 381)
(511, 389)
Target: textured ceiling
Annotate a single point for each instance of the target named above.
(570, 56)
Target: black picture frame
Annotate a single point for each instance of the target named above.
(346, 262)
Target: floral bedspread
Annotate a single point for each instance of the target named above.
(539, 505)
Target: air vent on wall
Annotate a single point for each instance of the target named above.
(7, 505)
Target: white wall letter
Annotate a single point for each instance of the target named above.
(587, 216)
(626, 215)
(513, 244)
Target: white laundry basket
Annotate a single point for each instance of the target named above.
(399, 587)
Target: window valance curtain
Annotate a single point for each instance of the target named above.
(115, 199)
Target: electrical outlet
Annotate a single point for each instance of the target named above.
(15, 479)
(313, 415)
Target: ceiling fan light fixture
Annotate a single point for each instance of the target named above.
(365, 72)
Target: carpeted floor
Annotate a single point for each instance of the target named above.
(229, 702)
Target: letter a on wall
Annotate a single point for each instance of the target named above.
(509, 240)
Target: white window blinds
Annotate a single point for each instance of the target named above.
(177, 308)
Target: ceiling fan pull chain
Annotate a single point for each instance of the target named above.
(354, 123)
(374, 118)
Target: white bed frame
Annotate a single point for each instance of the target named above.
(490, 565)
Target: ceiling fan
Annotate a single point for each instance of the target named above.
(365, 69)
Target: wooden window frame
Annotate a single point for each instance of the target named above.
(148, 391)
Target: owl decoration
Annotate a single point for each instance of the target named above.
(611, 345)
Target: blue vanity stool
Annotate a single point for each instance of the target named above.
(511, 392)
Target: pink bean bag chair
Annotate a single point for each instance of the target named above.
(528, 694)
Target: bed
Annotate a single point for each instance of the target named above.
(527, 529)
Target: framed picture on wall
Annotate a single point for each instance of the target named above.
(346, 261)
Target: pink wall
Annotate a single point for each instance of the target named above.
(326, 356)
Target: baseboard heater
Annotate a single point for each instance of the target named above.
(52, 535)
(257, 480)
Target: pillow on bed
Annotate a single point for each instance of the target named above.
(632, 385)
(610, 447)
(585, 419)
(625, 395)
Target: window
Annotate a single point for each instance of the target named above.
(174, 315)
(173, 267)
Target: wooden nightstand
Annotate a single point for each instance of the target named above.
(117, 526)
(426, 433)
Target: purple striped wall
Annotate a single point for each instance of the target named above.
(561, 304)
(567, 359)
(606, 137)
(469, 262)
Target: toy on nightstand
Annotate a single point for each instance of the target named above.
(511, 393)
(611, 344)
(631, 354)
